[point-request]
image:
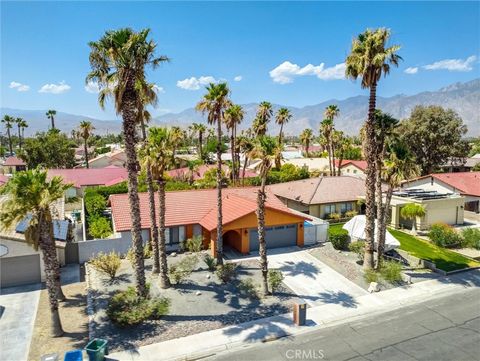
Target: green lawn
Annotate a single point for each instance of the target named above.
(443, 258)
(335, 227)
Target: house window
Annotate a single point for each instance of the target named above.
(329, 208)
(355, 171)
(345, 207)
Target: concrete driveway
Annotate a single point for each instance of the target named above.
(18, 311)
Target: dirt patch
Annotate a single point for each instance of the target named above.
(74, 320)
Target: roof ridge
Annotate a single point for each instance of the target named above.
(315, 190)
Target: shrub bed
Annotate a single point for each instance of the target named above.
(339, 239)
(443, 235)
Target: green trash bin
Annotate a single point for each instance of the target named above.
(97, 349)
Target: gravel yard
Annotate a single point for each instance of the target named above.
(200, 304)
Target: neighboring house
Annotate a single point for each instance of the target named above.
(3, 179)
(455, 165)
(313, 164)
(439, 208)
(352, 167)
(80, 152)
(13, 164)
(194, 213)
(116, 158)
(322, 196)
(197, 173)
(466, 184)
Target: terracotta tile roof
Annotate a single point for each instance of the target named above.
(3, 179)
(199, 173)
(321, 190)
(194, 207)
(467, 183)
(361, 164)
(13, 161)
(81, 177)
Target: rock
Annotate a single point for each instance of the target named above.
(208, 276)
(374, 287)
(173, 254)
(198, 293)
(406, 278)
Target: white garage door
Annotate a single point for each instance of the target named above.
(21, 270)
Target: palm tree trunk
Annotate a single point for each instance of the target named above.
(329, 150)
(261, 234)
(10, 141)
(219, 193)
(53, 122)
(232, 151)
(307, 145)
(85, 150)
(164, 280)
(52, 274)
(380, 205)
(245, 161)
(19, 137)
(383, 228)
(278, 163)
(200, 144)
(128, 115)
(368, 262)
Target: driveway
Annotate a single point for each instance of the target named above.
(18, 312)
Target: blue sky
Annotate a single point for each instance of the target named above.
(266, 46)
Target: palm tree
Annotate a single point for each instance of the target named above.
(246, 146)
(330, 113)
(30, 194)
(260, 123)
(412, 211)
(22, 124)
(85, 131)
(265, 148)
(178, 137)
(51, 116)
(214, 103)
(341, 144)
(158, 156)
(282, 117)
(326, 129)
(233, 116)
(118, 62)
(200, 129)
(8, 121)
(369, 58)
(306, 138)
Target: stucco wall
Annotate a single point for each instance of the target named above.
(350, 169)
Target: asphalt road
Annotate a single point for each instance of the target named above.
(446, 328)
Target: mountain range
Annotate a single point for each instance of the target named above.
(464, 98)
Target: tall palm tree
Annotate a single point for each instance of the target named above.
(158, 156)
(282, 117)
(30, 194)
(8, 121)
(306, 138)
(326, 130)
(260, 123)
(178, 136)
(22, 124)
(85, 131)
(246, 146)
(341, 144)
(51, 116)
(370, 58)
(118, 61)
(200, 129)
(330, 113)
(233, 116)
(214, 103)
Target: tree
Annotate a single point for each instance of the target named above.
(326, 129)
(342, 145)
(306, 138)
(177, 138)
(282, 117)
(370, 58)
(330, 113)
(85, 131)
(118, 61)
(265, 149)
(158, 156)
(233, 116)
(214, 103)
(51, 116)
(50, 149)
(432, 133)
(8, 121)
(246, 147)
(30, 194)
(260, 123)
(200, 129)
(22, 124)
(412, 211)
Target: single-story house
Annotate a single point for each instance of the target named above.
(192, 213)
(353, 167)
(466, 184)
(117, 158)
(322, 196)
(186, 174)
(13, 164)
(455, 165)
(313, 164)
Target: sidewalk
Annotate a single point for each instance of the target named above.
(208, 343)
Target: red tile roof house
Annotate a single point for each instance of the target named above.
(13, 164)
(185, 174)
(190, 213)
(352, 167)
(466, 184)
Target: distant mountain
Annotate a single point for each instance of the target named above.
(462, 97)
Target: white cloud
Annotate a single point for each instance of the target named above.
(59, 88)
(92, 87)
(19, 86)
(285, 72)
(158, 89)
(238, 78)
(194, 83)
(452, 64)
(411, 70)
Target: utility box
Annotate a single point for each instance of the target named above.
(300, 313)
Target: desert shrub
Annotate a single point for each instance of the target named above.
(180, 271)
(339, 239)
(194, 244)
(210, 262)
(391, 271)
(95, 203)
(126, 308)
(471, 238)
(350, 214)
(334, 216)
(147, 253)
(107, 263)
(275, 278)
(99, 227)
(358, 248)
(226, 272)
(371, 275)
(248, 288)
(443, 235)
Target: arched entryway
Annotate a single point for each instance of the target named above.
(233, 239)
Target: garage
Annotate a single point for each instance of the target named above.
(276, 237)
(20, 270)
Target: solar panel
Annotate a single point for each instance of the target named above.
(60, 228)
